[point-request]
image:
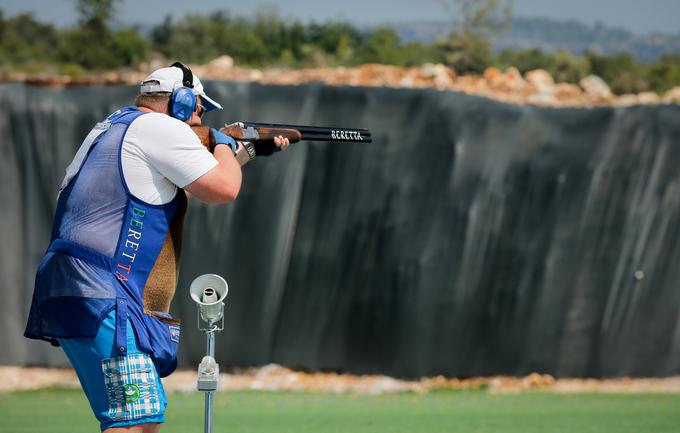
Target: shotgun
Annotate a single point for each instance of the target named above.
(258, 132)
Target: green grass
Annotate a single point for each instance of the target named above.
(58, 410)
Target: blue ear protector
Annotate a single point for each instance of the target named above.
(183, 100)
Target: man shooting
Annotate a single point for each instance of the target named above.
(104, 287)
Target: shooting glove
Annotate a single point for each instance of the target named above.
(265, 147)
(218, 137)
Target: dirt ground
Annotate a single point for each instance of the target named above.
(277, 378)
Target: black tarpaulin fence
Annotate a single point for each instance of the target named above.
(470, 238)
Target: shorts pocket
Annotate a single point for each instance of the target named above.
(131, 387)
(163, 332)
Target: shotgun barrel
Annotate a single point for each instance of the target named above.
(319, 133)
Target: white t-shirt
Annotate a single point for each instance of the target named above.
(159, 154)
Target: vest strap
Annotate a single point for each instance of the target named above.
(121, 326)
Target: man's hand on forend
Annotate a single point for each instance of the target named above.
(267, 147)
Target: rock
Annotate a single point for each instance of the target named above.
(630, 99)
(222, 62)
(220, 66)
(541, 80)
(535, 380)
(55, 81)
(255, 75)
(595, 87)
(492, 74)
(510, 80)
(406, 82)
(513, 79)
(648, 98)
(672, 96)
(542, 99)
(626, 100)
(442, 76)
(566, 90)
(536, 87)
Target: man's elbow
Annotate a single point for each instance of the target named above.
(226, 194)
(230, 194)
(217, 186)
(216, 193)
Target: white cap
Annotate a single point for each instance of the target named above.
(170, 78)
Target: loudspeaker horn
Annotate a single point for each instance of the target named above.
(208, 292)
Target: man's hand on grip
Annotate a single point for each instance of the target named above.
(217, 137)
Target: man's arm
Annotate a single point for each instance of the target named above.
(222, 183)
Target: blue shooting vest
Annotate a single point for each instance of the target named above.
(104, 245)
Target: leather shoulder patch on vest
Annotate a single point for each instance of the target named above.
(162, 282)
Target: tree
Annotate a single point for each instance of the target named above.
(621, 71)
(24, 40)
(526, 60)
(96, 14)
(664, 73)
(466, 53)
(92, 45)
(475, 23)
(568, 68)
(381, 46)
(483, 18)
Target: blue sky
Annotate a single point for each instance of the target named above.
(639, 16)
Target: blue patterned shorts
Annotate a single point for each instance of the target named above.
(122, 390)
(131, 387)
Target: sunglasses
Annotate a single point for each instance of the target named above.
(200, 109)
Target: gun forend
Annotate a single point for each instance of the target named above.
(243, 131)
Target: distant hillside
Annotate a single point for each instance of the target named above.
(552, 35)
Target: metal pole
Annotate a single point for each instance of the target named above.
(209, 291)
(211, 340)
(208, 412)
(208, 395)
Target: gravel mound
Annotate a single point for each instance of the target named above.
(534, 87)
(276, 378)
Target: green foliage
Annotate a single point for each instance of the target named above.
(525, 60)
(128, 47)
(621, 72)
(267, 39)
(94, 46)
(330, 44)
(383, 45)
(568, 68)
(95, 14)
(664, 73)
(23, 41)
(467, 48)
(270, 40)
(484, 18)
(85, 48)
(466, 52)
(199, 39)
(72, 70)
(562, 65)
(102, 50)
